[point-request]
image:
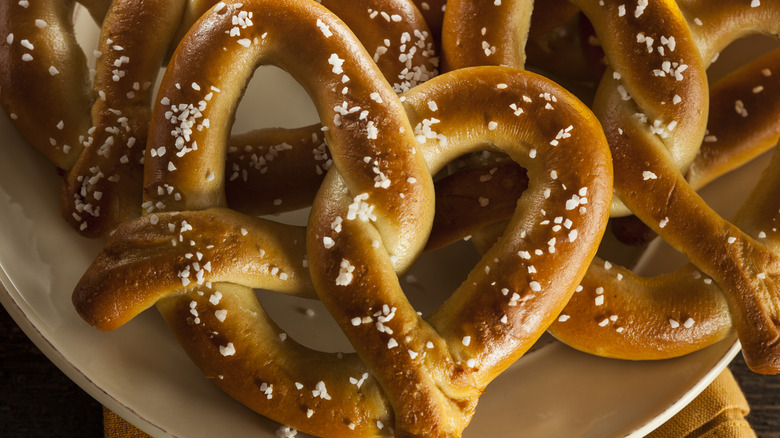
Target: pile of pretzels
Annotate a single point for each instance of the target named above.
(431, 129)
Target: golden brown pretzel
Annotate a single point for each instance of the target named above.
(97, 133)
(651, 104)
(198, 261)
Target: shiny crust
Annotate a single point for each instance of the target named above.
(20, 81)
(485, 33)
(95, 133)
(717, 247)
(303, 382)
(374, 212)
(102, 188)
(732, 139)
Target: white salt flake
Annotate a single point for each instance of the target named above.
(227, 350)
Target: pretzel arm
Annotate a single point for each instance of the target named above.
(470, 200)
(284, 380)
(103, 187)
(621, 315)
(260, 164)
(45, 52)
(485, 33)
(397, 36)
(733, 139)
(160, 255)
(714, 28)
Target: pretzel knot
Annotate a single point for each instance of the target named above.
(652, 102)
(198, 261)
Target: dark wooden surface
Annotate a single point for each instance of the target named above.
(37, 400)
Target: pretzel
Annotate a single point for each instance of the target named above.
(197, 261)
(97, 134)
(650, 103)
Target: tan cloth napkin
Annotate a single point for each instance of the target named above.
(718, 412)
(115, 427)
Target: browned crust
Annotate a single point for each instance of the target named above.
(485, 33)
(37, 110)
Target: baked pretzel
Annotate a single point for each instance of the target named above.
(197, 261)
(651, 104)
(97, 133)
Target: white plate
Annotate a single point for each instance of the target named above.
(140, 372)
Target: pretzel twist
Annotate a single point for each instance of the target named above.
(651, 104)
(198, 261)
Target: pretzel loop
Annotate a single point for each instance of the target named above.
(398, 38)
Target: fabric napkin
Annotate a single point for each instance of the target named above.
(718, 412)
(115, 427)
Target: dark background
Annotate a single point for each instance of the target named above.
(38, 400)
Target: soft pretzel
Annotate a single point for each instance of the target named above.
(198, 261)
(651, 102)
(97, 133)
(730, 142)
